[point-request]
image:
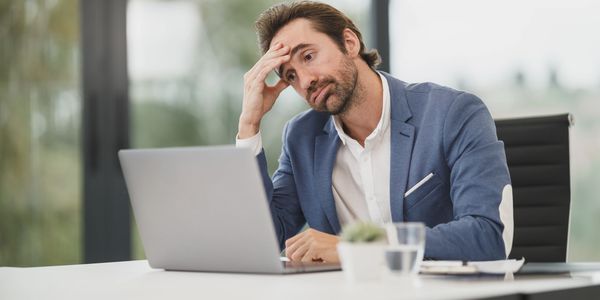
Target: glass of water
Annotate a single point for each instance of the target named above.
(406, 246)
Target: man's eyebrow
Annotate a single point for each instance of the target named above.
(292, 53)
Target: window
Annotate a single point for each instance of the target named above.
(522, 58)
(40, 159)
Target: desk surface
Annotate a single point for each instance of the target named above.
(136, 280)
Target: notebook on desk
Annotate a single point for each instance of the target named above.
(204, 209)
(457, 267)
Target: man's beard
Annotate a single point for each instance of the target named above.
(344, 90)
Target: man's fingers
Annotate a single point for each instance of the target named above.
(275, 51)
(266, 60)
(280, 86)
(274, 92)
(293, 239)
(299, 241)
(267, 67)
(310, 256)
(272, 53)
(312, 245)
(298, 253)
(291, 248)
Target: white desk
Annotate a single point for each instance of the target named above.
(136, 280)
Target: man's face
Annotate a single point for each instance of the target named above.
(318, 70)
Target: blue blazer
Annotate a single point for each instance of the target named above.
(434, 129)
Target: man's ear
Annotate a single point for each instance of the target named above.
(351, 42)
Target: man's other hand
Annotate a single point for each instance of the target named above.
(312, 245)
(258, 96)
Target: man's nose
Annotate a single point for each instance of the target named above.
(307, 79)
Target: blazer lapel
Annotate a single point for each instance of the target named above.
(402, 139)
(326, 146)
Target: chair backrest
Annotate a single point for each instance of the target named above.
(537, 152)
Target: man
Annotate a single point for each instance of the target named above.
(372, 147)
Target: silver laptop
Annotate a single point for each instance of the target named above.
(204, 209)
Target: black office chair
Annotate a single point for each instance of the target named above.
(537, 151)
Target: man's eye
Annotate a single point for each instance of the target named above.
(308, 57)
(290, 77)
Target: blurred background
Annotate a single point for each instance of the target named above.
(183, 63)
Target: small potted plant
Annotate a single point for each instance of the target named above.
(361, 251)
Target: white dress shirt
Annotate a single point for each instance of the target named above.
(361, 176)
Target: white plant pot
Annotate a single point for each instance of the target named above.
(362, 261)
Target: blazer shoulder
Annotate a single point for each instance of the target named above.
(420, 95)
(430, 96)
(422, 91)
(433, 91)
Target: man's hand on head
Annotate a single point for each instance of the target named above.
(258, 96)
(312, 245)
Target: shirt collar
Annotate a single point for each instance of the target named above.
(383, 123)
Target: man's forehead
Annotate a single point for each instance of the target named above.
(293, 33)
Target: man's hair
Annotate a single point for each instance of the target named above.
(323, 18)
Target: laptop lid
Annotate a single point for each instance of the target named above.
(201, 209)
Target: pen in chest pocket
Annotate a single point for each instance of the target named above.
(420, 183)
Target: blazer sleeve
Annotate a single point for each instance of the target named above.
(478, 175)
(281, 193)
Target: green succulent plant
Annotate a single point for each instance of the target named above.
(363, 232)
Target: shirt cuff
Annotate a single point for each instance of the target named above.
(253, 143)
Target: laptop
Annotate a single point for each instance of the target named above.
(205, 209)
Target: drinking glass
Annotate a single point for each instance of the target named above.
(406, 247)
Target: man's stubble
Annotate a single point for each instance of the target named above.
(346, 90)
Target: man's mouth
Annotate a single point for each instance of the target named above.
(319, 95)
